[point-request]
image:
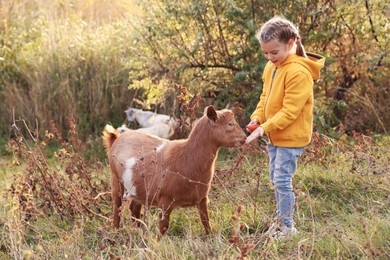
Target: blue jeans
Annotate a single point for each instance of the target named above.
(283, 163)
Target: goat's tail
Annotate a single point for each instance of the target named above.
(109, 136)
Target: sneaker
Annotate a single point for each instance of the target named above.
(284, 232)
(273, 229)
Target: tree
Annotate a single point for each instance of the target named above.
(210, 45)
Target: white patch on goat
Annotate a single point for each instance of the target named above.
(128, 181)
(161, 146)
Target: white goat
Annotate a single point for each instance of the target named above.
(146, 118)
(161, 130)
(122, 129)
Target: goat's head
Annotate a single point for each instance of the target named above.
(122, 129)
(130, 114)
(226, 132)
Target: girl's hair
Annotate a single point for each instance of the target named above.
(282, 30)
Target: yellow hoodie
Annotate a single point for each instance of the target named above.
(285, 109)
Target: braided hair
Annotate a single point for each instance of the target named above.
(282, 30)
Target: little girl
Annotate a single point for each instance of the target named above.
(285, 110)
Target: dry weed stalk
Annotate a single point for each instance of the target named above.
(244, 247)
(68, 186)
(187, 114)
(190, 104)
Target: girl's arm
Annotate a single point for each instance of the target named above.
(258, 114)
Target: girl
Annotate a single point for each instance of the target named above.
(284, 111)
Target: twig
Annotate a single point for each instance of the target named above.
(232, 198)
(257, 193)
(101, 194)
(190, 180)
(313, 224)
(376, 113)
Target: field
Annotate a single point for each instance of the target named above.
(80, 64)
(342, 209)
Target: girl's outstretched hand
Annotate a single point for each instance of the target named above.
(258, 132)
(252, 125)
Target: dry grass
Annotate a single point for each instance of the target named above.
(65, 58)
(342, 207)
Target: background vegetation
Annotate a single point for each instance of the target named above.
(69, 67)
(93, 59)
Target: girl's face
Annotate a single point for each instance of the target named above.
(275, 51)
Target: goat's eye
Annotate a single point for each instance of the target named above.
(231, 124)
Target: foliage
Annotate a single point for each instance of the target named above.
(202, 45)
(55, 63)
(357, 53)
(210, 45)
(93, 59)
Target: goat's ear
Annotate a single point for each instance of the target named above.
(211, 113)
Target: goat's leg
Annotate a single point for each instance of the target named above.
(116, 195)
(164, 220)
(204, 216)
(135, 209)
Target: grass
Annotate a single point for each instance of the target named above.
(342, 212)
(63, 58)
(57, 59)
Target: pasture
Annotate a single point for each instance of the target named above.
(55, 204)
(69, 67)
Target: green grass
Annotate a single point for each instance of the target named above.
(342, 212)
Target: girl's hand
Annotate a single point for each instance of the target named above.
(258, 132)
(252, 125)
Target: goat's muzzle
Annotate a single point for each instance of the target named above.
(240, 141)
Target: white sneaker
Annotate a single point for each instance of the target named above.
(284, 232)
(279, 231)
(273, 229)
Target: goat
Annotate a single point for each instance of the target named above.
(123, 128)
(145, 118)
(152, 171)
(161, 130)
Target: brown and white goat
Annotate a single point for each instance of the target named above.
(168, 174)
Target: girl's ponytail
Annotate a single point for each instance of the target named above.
(300, 49)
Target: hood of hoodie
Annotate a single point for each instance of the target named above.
(313, 63)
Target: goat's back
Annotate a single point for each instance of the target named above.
(162, 130)
(134, 144)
